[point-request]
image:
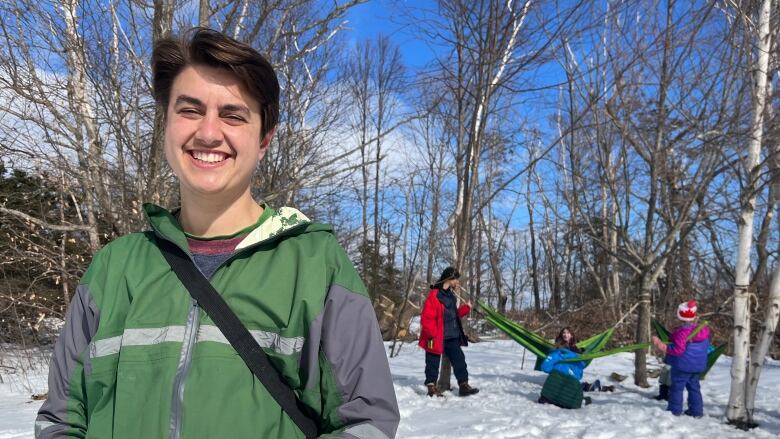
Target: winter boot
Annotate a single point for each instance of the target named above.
(663, 393)
(433, 390)
(588, 387)
(689, 413)
(466, 390)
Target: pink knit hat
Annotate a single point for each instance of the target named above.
(687, 311)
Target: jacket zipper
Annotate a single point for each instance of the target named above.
(185, 359)
(191, 337)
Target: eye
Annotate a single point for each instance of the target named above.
(188, 110)
(235, 117)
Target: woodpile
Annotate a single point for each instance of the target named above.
(394, 319)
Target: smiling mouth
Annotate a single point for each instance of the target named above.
(209, 156)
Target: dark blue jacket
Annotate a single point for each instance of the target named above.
(452, 326)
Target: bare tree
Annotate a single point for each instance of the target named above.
(357, 75)
(663, 140)
(389, 82)
(374, 76)
(534, 255)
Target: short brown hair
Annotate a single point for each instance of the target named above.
(214, 49)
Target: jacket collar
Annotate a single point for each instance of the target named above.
(281, 222)
(284, 221)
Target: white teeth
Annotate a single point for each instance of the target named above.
(209, 157)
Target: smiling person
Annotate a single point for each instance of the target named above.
(138, 356)
(562, 386)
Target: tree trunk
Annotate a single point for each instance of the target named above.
(495, 263)
(203, 13)
(445, 374)
(63, 260)
(534, 261)
(162, 23)
(736, 410)
(642, 332)
(764, 341)
(434, 230)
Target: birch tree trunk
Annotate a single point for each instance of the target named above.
(736, 410)
(765, 338)
(486, 67)
(772, 313)
(88, 149)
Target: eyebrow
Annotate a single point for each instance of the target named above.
(235, 108)
(184, 99)
(231, 108)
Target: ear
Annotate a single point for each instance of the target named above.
(265, 143)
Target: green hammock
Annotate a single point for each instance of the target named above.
(712, 357)
(592, 355)
(591, 347)
(531, 341)
(596, 342)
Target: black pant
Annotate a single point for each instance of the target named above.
(453, 351)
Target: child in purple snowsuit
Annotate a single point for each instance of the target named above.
(688, 358)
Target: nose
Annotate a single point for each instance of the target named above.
(209, 133)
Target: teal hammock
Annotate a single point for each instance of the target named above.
(712, 357)
(592, 347)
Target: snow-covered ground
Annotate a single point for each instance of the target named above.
(22, 374)
(505, 406)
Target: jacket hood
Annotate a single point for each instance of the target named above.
(282, 222)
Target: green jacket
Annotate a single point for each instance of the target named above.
(138, 358)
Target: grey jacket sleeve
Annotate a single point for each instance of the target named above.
(64, 413)
(352, 345)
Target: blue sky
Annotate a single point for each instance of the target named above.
(377, 17)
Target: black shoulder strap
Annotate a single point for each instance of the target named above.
(238, 336)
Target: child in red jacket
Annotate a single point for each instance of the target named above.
(442, 332)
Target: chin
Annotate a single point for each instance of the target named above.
(205, 190)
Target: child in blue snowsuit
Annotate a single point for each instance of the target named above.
(565, 349)
(688, 358)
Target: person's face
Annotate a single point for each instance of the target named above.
(566, 335)
(212, 133)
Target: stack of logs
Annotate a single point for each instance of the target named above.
(394, 319)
